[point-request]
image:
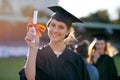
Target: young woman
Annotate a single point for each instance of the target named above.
(54, 61)
(82, 48)
(99, 51)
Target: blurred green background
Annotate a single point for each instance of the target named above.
(9, 68)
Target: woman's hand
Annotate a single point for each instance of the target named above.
(30, 65)
(30, 36)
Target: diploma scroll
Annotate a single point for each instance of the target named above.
(35, 14)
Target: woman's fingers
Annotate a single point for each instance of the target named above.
(30, 35)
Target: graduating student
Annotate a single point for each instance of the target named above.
(54, 61)
(99, 51)
(82, 48)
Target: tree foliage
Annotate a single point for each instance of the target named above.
(99, 16)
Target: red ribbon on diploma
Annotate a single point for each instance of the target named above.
(38, 27)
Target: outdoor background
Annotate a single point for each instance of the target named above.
(13, 21)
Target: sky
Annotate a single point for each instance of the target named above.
(81, 8)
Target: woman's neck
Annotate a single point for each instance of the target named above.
(57, 46)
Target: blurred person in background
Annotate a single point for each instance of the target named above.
(54, 61)
(99, 51)
(82, 49)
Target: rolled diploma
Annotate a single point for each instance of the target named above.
(35, 14)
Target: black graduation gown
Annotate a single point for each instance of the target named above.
(106, 68)
(68, 66)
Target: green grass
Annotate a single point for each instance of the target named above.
(9, 68)
(117, 62)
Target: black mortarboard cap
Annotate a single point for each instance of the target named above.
(63, 15)
(101, 36)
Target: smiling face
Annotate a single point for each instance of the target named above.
(57, 30)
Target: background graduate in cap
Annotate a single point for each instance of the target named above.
(54, 61)
(99, 56)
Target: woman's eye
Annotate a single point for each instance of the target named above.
(61, 27)
(52, 24)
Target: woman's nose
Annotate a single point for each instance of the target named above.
(56, 29)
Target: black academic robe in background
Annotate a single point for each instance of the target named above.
(106, 68)
(68, 66)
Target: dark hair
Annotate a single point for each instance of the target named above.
(83, 48)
